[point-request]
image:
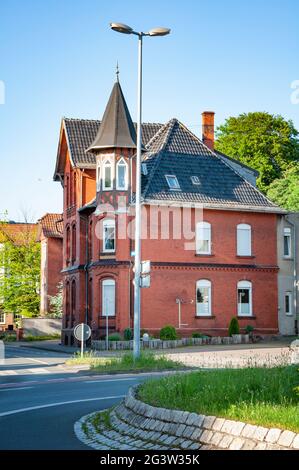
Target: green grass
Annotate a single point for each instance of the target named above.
(125, 363)
(260, 396)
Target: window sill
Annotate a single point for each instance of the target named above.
(245, 256)
(205, 317)
(288, 258)
(108, 253)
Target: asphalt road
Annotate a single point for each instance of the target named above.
(38, 409)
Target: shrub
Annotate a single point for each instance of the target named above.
(114, 337)
(168, 332)
(249, 329)
(234, 328)
(197, 335)
(128, 334)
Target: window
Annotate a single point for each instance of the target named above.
(68, 246)
(203, 238)
(172, 182)
(288, 303)
(108, 298)
(243, 240)
(98, 175)
(2, 318)
(203, 297)
(195, 180)
(74, 243)
(109, 235)
(244, 298)
(107, 176)
(287, 242)
(121, 174)
(144, 169)
(73, 303)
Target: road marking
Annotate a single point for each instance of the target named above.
(49, 405)
(39, 370)
(8, 372)
(37, 360)
(112, 380)
(14, 388)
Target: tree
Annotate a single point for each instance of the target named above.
(20, 263)
(285, 191)
(56, 302)
(267, 143)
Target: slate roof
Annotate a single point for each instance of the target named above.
(175, 150)
(51, 225)
(117, 129)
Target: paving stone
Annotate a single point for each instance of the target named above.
(216, 438)
(248, 444)
(218, 423)
(208, 422)
(261, 446)
(295, 443)
(273, 435)
(191, 419)
(286, 438)
(248, 430)
(180, 430)
(237, 428)
(186, 444)
(189, 431)
(199, 420)
(206, 437)
(260, 433)
(237, 443)
(225, 442)
(196, 434)
(227, 426)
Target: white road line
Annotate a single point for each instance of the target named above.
(103, 381)
(37, 360)
(15, 388)
(8, 372)
(39, 370)
(49, 405)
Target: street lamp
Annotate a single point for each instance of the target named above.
(125, 29)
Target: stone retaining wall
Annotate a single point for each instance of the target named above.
(162, 344)
(135, 425)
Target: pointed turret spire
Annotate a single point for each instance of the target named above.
(116, 128)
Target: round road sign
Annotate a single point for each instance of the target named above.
(82, 332)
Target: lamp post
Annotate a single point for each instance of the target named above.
(125, 29)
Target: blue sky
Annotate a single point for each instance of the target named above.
(57, 58)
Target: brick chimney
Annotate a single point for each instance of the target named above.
(208, 129)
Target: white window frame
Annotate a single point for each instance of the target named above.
(204, 284)
(122, 162)
(108, 223)
(287, 233)
(205, 227)
(290, 297)
(2, 315)
(177, 188)
(244, 285)
(107, 283)
(241, 229)
(99, 174)
(107, 162)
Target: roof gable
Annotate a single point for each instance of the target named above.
(51, 225)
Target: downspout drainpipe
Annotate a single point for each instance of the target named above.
(295, 275)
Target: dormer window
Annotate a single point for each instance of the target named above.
(122, 175)
(172, 182)
(195, 180)
(107, 175)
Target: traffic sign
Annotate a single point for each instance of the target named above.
(82, 332)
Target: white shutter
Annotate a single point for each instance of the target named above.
(244, 240)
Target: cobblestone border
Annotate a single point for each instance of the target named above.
(134, 424)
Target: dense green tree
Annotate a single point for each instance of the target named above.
(285, 191)
(268, 143)
(56, 302)
(20, 272)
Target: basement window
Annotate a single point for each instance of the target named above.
(172, 182)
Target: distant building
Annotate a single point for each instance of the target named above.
(230, 268)
(288, 276)
(50, 235)
(18, 233)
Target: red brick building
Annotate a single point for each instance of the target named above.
(223, 264)
(50, 235)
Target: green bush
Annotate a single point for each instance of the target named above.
(197, 335)
(234, 328)
(249, 329)
(128, 334)
(114, 337)
(168, 332)
(8, 337)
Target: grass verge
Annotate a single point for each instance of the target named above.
(266, 397)
(126, 363)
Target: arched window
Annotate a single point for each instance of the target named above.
(108, 298)
(67, 190)
(74, 188)
(244, 298)
(67, 304)
(121, 175)
(107, 175)
(203, 238)
(203, 297)
(109, 235)
(73, 302)
(68, 245)
(98, 175)
(74, 244)
(90, 241)
(243, 240)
